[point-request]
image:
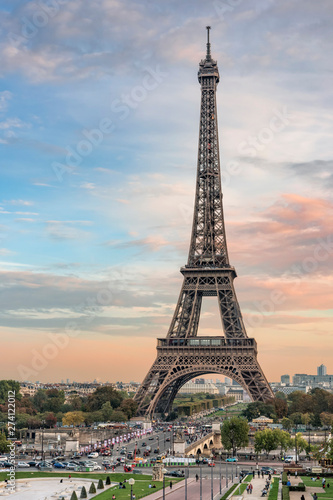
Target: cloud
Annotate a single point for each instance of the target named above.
(67, 230)
(5, 96)
(5, 251)
(19, 202)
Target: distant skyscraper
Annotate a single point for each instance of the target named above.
(285, 379)
(321, 370)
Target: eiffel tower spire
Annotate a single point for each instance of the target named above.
(183, 355)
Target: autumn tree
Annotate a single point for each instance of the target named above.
(73, 418)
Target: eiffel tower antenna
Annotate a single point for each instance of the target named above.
(182, 354)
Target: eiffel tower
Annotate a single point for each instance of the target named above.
(183, 355)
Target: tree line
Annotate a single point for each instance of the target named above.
(49, 406)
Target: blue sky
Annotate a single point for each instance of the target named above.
(116, 215)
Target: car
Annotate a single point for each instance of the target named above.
(144, 443)
(175, 473)
(97, 467)
(267, 470)
(33, 463)
(211, 464)
(151, 438)
(94, 454)
(23, 464)
(71, 466)
(6, 464)
(167, 439)
(232, 459)
(59, 465)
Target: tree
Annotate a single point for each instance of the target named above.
(286, 423)
(39, 400)
(102, 395)
(266, 440)
(92, 488)
(301, 443)
(4, 443)
(129, 406)
(280, 406)
(235, 434)
(75, 402)
(83, 492)
(108, 480)
(254, 410)
(74, 496)
(55, 400)
(5, 387)
(73, 418)
(50, 420)
(119, 416)
(107, 411)
(283, 439)
(100, 485)
(326, 419)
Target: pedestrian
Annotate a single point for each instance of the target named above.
(196, 477)
(113, 497)
(248, 489)
(295, 473)
(251, 488)
(262, 473)
(315, 496)
(170, 485)
(302, 497)
(328, 485)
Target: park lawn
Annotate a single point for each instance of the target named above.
(114, 476)
(140, 488)
(240, 489)
(274, 489)
(308, 481)
(248, 478)
(327, 494)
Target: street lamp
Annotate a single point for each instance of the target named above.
(131, 482)
(164, 471)
(200, 468)
(220, 453)
(211, 478)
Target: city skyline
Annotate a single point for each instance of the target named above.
(96, 216)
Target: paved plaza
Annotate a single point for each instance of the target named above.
(48, 489)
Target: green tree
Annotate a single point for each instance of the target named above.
(107, 411)
(5, 387)
(302, 443)
(92, 488)
(286, 423)
(283, 439)
(83, 492)
(55, 400)
(254, 410)
(74, 496)
(75, 402)
(266, 440)
(39, 400)
(100, 485)
(235, 434)
(4, 443)
(119, 416)
(102, 395)
(73, 418)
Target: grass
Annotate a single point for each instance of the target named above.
(230, 490)
(274, 490)
(308, 481)
(240, 489)
(114, 476)
(140, 488)
(248, 478)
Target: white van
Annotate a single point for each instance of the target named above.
(93, 454)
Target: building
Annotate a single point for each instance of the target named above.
(195, 388)
(285, 379)
(237, 393)
(321, 371)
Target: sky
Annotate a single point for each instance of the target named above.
(99, 119)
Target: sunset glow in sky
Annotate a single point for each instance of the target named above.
(99, 120)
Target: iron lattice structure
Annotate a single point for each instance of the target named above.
(183, 355)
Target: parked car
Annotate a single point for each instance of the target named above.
(156, 450)
(211, 464)
(167, 439)
(71, 466)
(94, 454)
(33, 463)
(144, 443)
(59, 465)
(23, 464)
(6, 464)
(267, 470)
(151, 438)
(97, 467)
(232, 459)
